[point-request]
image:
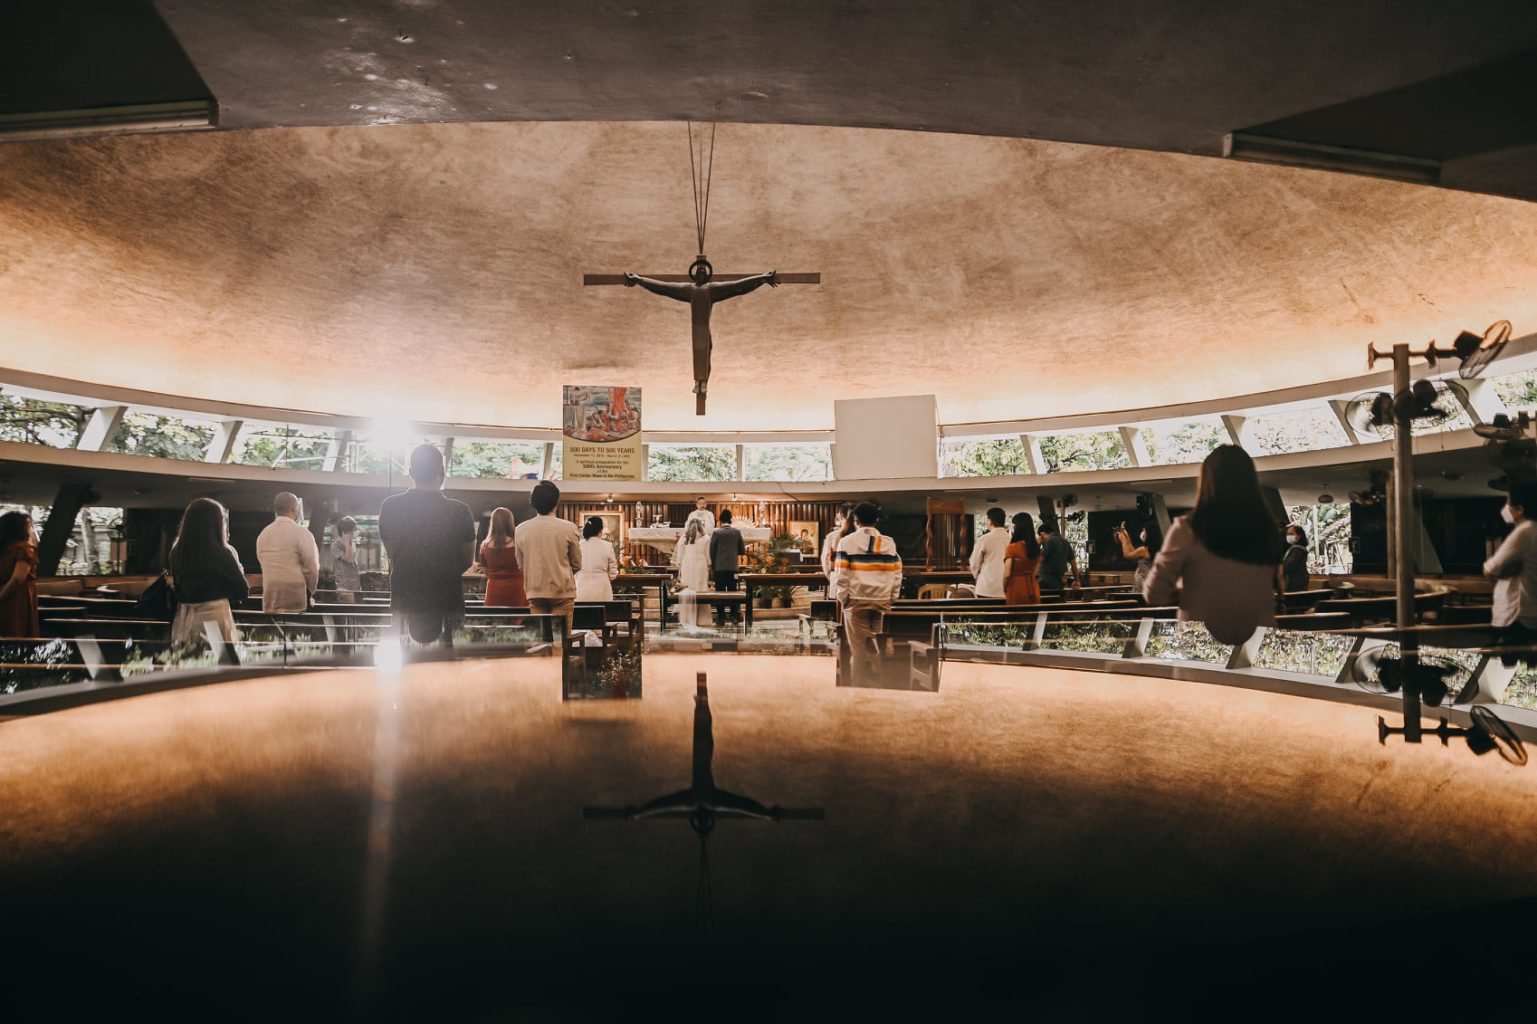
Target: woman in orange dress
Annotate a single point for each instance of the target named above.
(1020, 560)
(18, 575)
(499, 561)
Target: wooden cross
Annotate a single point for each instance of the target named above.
(701, 293)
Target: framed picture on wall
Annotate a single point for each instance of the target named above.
(806, 536)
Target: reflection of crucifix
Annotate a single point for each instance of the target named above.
(703, 802)
(701, 293)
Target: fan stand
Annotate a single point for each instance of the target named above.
(1403, 524)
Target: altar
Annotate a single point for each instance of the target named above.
(665, 538)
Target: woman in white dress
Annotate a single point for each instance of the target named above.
(693, 554)
(599, 566)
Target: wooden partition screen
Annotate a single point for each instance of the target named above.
(947, 536)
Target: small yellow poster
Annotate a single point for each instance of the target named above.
(601, 428)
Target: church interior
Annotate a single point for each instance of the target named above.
(1005, 291)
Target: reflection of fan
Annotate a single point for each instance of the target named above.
(1477, 352)
(1384, 672)
(1489, 728)
(1376, 494)
(1502, 429)
(1427, 401)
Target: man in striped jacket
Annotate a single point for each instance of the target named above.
(868, 575)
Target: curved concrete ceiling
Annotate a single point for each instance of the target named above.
(434, 271)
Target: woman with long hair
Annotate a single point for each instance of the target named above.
(1149, 540)
(18, 575)
(206, 572)
(599, 566)
(499, 561)
(1219, 561)
(694, 557)
(1020, 560)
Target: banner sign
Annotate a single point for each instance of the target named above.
(601, 427)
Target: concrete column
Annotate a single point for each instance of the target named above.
(101, 428)
(1033, 457)
(1237, 430)
(1048, 510)
(741, 464)
(448, 456)
(1136, 447)
(549, 457)
(67, 503)
(1482, 402)
(1338, 406)
(1244, 654)
(223, 442)
(645, 462)
(336, 451)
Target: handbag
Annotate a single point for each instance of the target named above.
(158, 601)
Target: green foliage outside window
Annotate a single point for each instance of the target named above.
(1191, 441)
(1077, 453)
(1296, 430)
(493, 460)
(162, 437)
(27, 421)
(786, 462)
(995, 456)
(281, 447)
(691, 463)
(1517, 390)
(1328, 530)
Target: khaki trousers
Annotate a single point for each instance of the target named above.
(860, 623)
(554, 606)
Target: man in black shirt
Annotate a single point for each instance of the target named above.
(726, 550)
(430, 540)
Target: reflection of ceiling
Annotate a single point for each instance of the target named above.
(434, 270)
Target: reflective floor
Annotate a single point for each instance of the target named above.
(456, 835)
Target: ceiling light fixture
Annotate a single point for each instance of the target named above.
(138, 118)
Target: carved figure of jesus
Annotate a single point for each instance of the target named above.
(702, 295)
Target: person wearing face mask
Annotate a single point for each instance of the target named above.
(1294, 563)
(1513, 567)
(1149, 540)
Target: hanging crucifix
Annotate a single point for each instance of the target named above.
(700, 288)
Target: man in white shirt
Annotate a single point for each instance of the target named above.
(705, 516)
(987, 556)
(867, 577)
(550, 552)
(1513, 567)
(289, 557)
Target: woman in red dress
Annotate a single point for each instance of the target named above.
(1020, 560)
(499, 561)
(18, 575)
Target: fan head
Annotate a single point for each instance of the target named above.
(1502, 429)
(1433, 401)
(1477, 351)
(1428, 676)
(1371, 414)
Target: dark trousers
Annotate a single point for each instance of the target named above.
(725, 580)
(1516, 635)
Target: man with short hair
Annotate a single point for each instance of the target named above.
(1513, 567)
(987, 556)
(704, 515)
(430, 540)
(867, 577)
(1056, 555)
(289, 557)
(726, 551)
(550, 552)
